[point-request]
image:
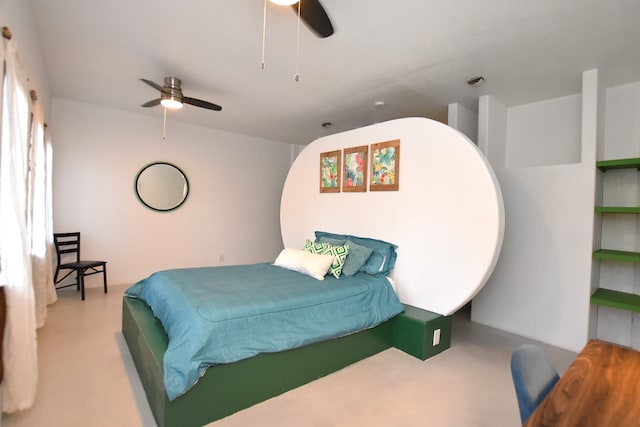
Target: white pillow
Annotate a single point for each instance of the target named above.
(314, 265)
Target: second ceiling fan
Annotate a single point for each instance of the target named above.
(171, 96)
(312, 14)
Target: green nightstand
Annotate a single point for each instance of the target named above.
(421, 333)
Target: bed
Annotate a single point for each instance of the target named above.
(210, 341)
(445, 256)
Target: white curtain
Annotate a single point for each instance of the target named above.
(25, 232)
(40, 220)
(39, 217)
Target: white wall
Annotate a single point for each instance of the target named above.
(232, 210)
(622, 133)
(464, 120)
(541, 285)
(446, 217)
(544, 133)
(16, 15)
(492, 130)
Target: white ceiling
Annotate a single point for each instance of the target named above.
(415, 55)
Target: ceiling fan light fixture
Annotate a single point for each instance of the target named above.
(284, 2)
(171, 102)
(171, 93)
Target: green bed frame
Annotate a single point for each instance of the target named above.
(226, 389)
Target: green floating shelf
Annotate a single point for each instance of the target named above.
(612, 255)
(618, 209)
(616, 299)
(605, 165)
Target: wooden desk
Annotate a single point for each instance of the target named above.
(600, 388)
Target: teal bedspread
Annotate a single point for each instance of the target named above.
(215, 315)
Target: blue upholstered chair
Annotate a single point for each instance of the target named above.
(533, 377)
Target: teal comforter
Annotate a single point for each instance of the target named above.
(215, 315)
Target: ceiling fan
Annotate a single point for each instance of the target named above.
(312, 14)
(171, 96)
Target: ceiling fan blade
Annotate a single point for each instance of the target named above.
(316, 18)
(151, 103)
(202, 104)
(152, 84)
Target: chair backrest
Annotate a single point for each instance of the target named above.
(533, 377)
(67, 246)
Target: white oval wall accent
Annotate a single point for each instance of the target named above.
(447, 217)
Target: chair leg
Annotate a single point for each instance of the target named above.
(104, 277)
(81, 283)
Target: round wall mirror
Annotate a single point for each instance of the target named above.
(162, 186)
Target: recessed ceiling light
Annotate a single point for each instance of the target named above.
(326, 125)
(379, 104)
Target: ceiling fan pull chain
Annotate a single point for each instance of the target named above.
(264, 33)
(164, 124)
(296, 76)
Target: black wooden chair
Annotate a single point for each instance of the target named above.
(68, 252)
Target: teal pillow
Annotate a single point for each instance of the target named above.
(334, 242)
(358, 256)
(382, 259)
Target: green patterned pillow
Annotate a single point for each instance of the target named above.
(339, 254)
(314, 248)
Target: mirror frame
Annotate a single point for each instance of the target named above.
(139, 196)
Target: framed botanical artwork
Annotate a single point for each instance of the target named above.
(330, 168)
(385, 166)
(355, 168)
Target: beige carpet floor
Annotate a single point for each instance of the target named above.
(87, 379)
